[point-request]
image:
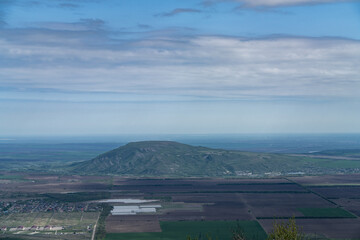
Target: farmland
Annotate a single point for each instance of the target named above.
(326, 213)
(71, 202)
(179, 230)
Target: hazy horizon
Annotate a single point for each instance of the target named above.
(275, 143)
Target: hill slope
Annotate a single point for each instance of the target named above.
(162, 158)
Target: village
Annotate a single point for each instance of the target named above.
(33, 209)
(44, 205)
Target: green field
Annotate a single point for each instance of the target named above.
(326, 213)
(180, 230)
(77, 196)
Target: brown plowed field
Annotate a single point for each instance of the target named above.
(328, 179)
(338, 191)
(137, 223)
(283, 205)
(352, 205)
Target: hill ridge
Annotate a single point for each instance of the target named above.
(173, 159)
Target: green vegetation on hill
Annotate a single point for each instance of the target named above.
(162, 158)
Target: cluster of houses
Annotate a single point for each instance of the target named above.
(40, 205)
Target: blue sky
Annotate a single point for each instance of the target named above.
(83, 67)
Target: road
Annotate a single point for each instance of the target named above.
(94, 231)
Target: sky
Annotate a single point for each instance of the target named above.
(87, 67)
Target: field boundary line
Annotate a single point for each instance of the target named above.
(33, 220)
(48, 222)
(311, 191)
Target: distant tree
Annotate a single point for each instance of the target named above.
(286, 231)
(238, 233)
(100, 230)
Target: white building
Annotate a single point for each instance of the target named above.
(132, 210)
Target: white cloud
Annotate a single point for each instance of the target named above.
(203, 66)
(178, 11)
(273, 3)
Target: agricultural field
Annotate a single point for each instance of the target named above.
(328, 180)
(276, 205)
(72, 202)
(261, 200)
(335, 192)
(182, 186)
(326, 213)
(26, 183)
(132, 224)
(352, 205)
(180, 230)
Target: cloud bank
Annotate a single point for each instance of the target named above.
(272, 3)
(200, 66)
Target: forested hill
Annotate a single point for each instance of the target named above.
(172, 159)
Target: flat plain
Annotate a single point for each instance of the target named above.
(184, 201)
(180, 230)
